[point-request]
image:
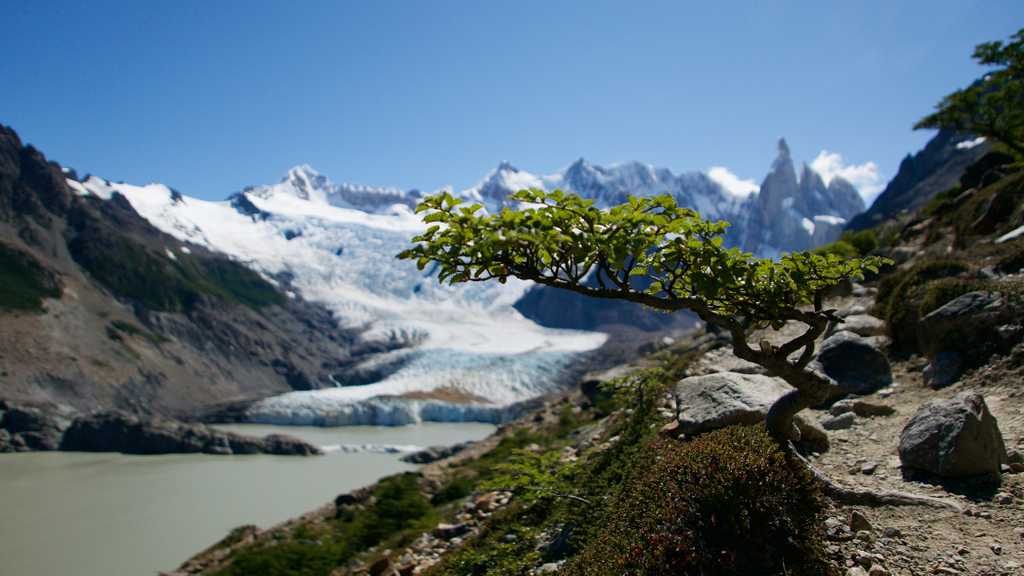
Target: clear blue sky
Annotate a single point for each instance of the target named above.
(211, 96)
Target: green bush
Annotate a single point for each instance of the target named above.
(839, 248)
(852, 244)
(24, 282)
(865, 241)
(728, 502)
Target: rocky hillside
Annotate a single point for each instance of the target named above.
(102, 310)
(659, 467)
(934, 169)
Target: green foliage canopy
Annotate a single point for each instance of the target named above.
(650, 250)
(992, 106)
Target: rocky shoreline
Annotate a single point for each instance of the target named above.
(28, 428)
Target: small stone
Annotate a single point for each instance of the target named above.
(892, 532)
(865, 536)
(841, 422)
(1014, 457)
(1016, 467)
(859, 522)
(877, 570)
(1003, 498)
(868, 468)
(856, 571)
(996, 549)
(984, 514)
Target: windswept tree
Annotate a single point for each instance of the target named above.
(993, 106)
(653, 252)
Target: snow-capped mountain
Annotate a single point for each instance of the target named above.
(611, 185)
(790, 214)
(305, 183)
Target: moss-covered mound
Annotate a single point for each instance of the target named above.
(729, 502)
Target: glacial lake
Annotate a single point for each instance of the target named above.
(112, 514)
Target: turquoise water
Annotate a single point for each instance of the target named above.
(113, 514)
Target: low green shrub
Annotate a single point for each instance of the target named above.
(864, 241)
(728, 502)
(839, 248)
(24, 283)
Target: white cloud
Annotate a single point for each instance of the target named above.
(732, 183)
(864, 177)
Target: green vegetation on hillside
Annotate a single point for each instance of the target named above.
(24, 283)
(398, 510)
(132, 271)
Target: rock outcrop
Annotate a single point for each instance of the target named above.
(723, 399)
(855, 363)
(953, 438)
(120, 432)
(42, 427)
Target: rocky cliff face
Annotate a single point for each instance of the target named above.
(934, 169)
(101, 310)
(792, 214)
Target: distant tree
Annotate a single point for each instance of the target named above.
(993, 106)
(653, 252)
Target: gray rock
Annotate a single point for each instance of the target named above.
(953, 438)
(841, 422)
(861, 408)
(973, 317)
(714, 401)
(718, 400)
(855, 363)
(944, 369)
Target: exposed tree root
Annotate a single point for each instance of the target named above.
(859, 497)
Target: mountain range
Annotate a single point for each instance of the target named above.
(328, 327)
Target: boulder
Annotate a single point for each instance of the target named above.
(953, 438)
(714, 401)
(854, 362)
(722, 399)
(974, 317)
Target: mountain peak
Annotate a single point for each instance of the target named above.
(783, 148)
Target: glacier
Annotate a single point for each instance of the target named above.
(472, 356)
